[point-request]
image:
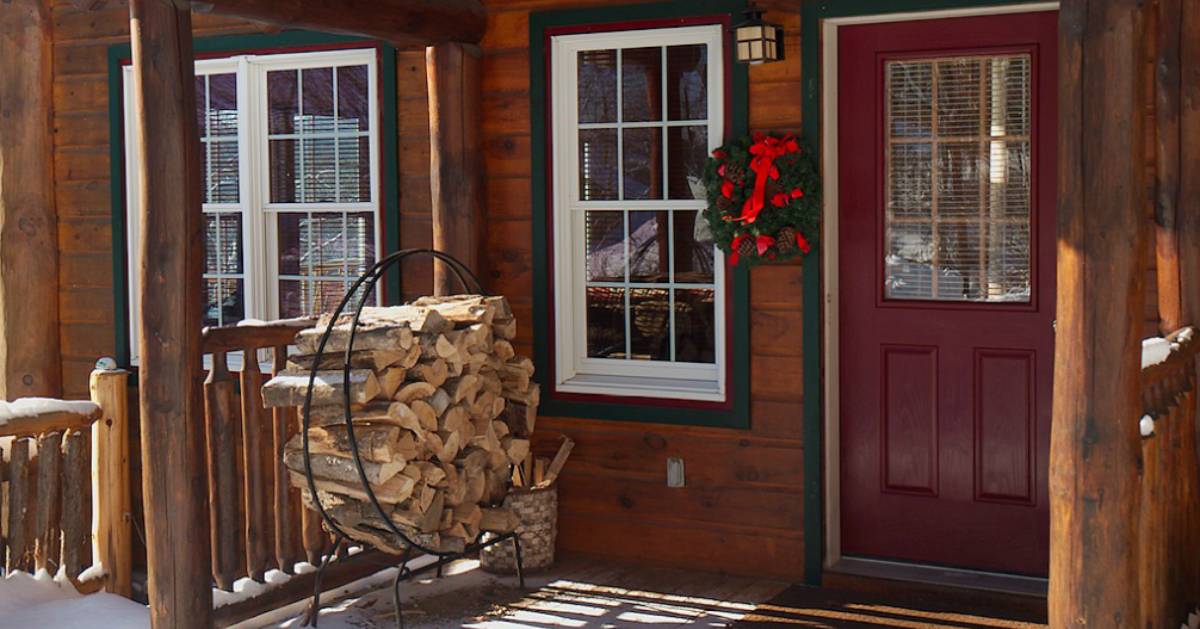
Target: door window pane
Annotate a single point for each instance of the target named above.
(959, 205)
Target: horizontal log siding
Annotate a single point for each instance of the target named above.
(743, 504)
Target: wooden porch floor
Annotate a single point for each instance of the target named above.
(582, 592)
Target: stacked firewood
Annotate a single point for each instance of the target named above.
(442, 409)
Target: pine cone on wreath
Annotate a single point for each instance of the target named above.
(785, 240)
(747, 248)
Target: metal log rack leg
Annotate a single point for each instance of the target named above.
(367, 282)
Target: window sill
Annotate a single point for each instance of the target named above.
(640, 387)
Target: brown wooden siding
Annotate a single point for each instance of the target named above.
(742, 509)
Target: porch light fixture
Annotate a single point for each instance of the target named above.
(757, 41)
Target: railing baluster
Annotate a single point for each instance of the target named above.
(49, 492)
(20, 499)
(223, 491)
(76, 503)
(285, 497)
(254, 479)
(3, 522)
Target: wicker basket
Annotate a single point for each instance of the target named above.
(537, 510)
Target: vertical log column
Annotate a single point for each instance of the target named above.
(455, 159)
(1177, 250)
(173, 457)
(1094, 475)
(29, 351)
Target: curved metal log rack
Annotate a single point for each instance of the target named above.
(365, 287)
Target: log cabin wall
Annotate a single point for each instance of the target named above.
(743, 504)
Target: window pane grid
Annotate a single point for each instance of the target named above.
(649, 309)
(326, 144)
(958, 214)
(660, 180)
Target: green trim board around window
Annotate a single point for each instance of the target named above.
(286, 41)
(736, 414)
(812, 14)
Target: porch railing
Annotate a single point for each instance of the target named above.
(1168, 532)
(64, 484)
(257, 522)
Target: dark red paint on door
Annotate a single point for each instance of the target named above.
(945, 405)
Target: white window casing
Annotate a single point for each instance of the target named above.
(575, 372)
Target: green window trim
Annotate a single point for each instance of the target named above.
(286, 41)
(736, 412)
(812, 13)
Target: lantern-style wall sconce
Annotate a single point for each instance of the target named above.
(757, 41)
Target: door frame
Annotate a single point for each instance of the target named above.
(822, 92)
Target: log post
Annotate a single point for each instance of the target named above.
(29, 349)
(169, 342)
(1095, 445)
(112, 524)
(455, 159)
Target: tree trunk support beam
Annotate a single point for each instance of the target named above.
(455, 80)
(170, 259)
(1095, 444)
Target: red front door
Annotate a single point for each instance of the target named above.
(946, 140)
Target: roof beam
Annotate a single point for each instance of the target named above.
(405, 23)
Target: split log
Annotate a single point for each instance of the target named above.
(21, 497)
(77, 503)
(375, 360)
(376, 443)
(49, 497)
(342, 469)
(414, 391)
(289, 388)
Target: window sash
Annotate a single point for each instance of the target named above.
(575, 371)
(260, 246)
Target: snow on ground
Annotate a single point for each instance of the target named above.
(42, 601)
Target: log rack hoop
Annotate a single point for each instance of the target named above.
(366, 283)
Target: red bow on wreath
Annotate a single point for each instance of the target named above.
(765, 150)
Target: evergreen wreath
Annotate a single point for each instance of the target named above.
(764, 198)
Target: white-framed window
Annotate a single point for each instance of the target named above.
(639, 287)
(290, 177)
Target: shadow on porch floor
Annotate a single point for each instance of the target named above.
(582, 592)
(577, 592)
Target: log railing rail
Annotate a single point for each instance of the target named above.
(66, 469)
